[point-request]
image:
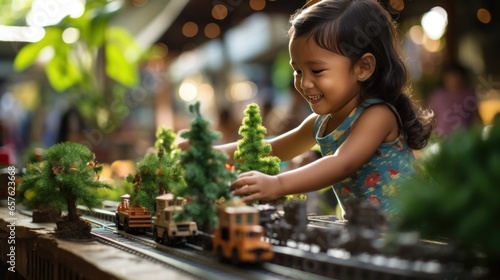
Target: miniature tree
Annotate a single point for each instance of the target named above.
(456, 195)
(67, 176)
(157, 172)
(252, 152)
(165, 138)
(206, 176)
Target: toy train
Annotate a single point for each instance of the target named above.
(165, 229)
(254, 234)
(293, 225)
(132, 219)
(238, 236)
(243, 234)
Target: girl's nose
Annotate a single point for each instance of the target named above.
(305, 83)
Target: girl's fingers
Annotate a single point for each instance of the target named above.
(242, 181)
(246, 174)
(250, 198)
(245, 189)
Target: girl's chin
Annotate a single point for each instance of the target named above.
(319, 111)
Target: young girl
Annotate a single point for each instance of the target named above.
(347, 66)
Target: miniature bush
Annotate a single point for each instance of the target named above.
(157, 172)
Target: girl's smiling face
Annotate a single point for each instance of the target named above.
(325, 79)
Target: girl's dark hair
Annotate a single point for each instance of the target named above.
(352, 28)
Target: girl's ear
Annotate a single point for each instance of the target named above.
(365, 67)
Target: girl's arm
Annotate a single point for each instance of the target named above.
(376, 125)
(294, 142)
(285, 146)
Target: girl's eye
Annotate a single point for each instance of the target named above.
(297, 72)
(317, 71)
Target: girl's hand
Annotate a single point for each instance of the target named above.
(257, 186)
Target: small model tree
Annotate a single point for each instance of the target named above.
(165, 138)
(206, 176)
(67, 176)
(252, 152)
(457, 196)
(157, 172)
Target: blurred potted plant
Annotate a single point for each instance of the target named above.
(91, 60)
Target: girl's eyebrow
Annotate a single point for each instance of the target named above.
(311, 62)
(314, 62)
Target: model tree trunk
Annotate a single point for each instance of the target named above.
(72, 212)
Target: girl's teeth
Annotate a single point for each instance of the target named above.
(315, 97)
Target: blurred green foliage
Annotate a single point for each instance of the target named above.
(13, 12)
(118, 188)
(456, 195)
(77, 68)
(165, 138)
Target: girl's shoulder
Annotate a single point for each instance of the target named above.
(383, 118)
(379, 106)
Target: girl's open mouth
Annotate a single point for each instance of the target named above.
(314, 98)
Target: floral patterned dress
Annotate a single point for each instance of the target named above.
(376, 180)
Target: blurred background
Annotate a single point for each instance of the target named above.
(108, 73)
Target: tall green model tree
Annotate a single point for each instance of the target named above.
(68, 176)
(206, 176)
(252, 152)
(157, 172)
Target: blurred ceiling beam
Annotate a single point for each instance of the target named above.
(149, 22)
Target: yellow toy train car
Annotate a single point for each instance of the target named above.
(165, 229)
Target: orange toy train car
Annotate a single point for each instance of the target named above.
(239, 236)
(132, 219)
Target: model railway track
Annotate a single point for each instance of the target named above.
(190, 259)
(303, 261)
